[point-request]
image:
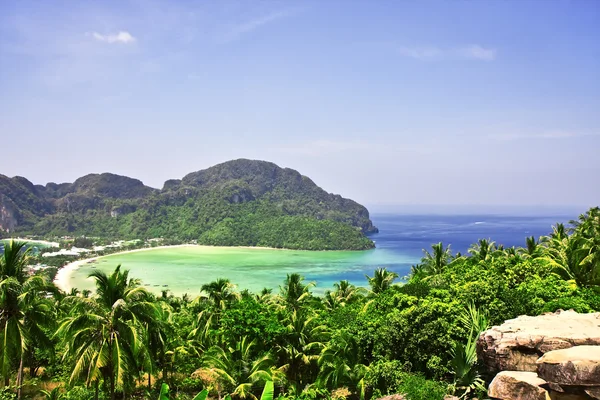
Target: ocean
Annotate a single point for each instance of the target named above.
(399, 245)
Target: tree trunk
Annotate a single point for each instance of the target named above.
(20, 378)
(112, 386)
(96, 389)
(149, 380)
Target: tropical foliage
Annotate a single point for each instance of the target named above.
(415, 337)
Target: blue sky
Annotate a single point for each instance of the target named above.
(390, 102)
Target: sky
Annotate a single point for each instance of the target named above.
(418, 103)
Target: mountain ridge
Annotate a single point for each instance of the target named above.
(241, 194)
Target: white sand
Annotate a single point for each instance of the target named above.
(63, 276)
(44, 242)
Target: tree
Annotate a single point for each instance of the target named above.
(346, 292)
(381, 281)
(340, 364)
(574, 258)
(294, 292)
(24, 310)
(483, 250)
(532, 248)
(238, 369)
(435, 262)
(103, 334)
(301, 346)
(220, 293)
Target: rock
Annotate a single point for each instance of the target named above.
(393, 397)
(577, 366)
(518, 385)
(518, 343)
(593, 392)
(567, 396)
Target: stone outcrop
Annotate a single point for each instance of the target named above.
(577, 366)
(518, 385)
(518, 343)
(549, 357)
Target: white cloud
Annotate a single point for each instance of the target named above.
(477, 52)
(471, 52)
(121, 37)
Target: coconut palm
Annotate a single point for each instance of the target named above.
(294, 291)
(303, 342)
(24, 310)
(221, 293)
(483, 250)
(340, 365)
(347, 292)
(532, 248)
(238, 369)
(103, 335)
(382, 280)
(435, 262)
(331, 301)
(558, 232)
(574, 258)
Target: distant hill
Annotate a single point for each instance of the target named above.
(239, 202)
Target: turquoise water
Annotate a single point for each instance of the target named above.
(399, 245)
(185, 269)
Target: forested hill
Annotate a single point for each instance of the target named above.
(239, 202)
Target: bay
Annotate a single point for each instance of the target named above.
(399, 245)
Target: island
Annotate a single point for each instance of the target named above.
(236, 203)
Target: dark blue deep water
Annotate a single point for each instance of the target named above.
(402, 238)
(409, 234)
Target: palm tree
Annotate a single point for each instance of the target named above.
(483, 250)
(435, 262)
(574, 258)
(221, 293)
(532, 248)
(159, 334)
(238, 369)
(347, 292)
(302, 344)
(104, 334)
(294, 292)
(340, 365)
(24, 310)
(381, 281)
(331, 301)
(558, 232)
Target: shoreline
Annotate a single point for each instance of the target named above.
(63, 276)
(43, 242)
(61, 280)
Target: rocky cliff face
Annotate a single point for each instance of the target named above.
(552, 356)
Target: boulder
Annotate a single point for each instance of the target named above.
(518, 385)
(576, 366)
(518, 343)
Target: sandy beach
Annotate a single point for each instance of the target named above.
(43, 242)
(63, 276)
